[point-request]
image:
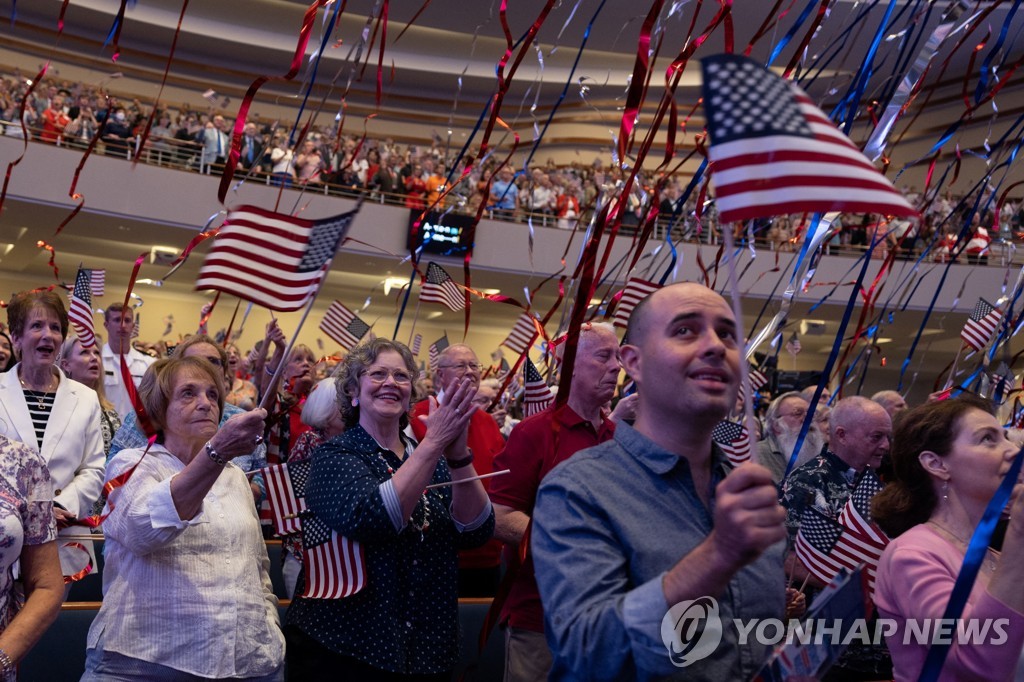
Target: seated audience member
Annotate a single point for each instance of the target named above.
(29, 534)
(783, 422)
(479, 567)
(322, 415)
(370, 485)
(186, 588)
(949, 458)
(657, 517)
(891, 401)
(54, 415)
(536, 445)
(201, 346)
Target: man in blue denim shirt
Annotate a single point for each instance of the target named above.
(657, 517)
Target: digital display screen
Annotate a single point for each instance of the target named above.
(442, 234)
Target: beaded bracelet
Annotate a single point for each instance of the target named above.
(212, 454)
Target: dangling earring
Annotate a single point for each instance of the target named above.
(945, 491)
(355, 402)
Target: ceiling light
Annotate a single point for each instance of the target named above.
(434, 315)
(394, 283)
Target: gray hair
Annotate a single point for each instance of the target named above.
(321, 404)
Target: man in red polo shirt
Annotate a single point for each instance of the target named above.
(534, 447)
(479, 569)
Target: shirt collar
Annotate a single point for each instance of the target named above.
(656, 458)
(844, 469)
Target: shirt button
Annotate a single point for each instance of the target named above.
(408, 624)
(227, 561)
(58, 491)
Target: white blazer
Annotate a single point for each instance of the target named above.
(72, 444)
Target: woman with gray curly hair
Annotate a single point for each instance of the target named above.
(375, 486)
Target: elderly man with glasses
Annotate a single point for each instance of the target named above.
(479, 569)
(783, 422)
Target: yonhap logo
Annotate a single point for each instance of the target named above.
(691, 631)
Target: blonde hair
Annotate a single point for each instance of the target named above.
(65, 352)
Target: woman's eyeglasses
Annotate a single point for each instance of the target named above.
(379, 376)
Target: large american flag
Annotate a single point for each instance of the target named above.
(80, 309)
(435, 350)
(334, 566)
(774, 152)
(286, 494)
(981, 325)
(343, 326)
(522, 335)
(272, 259)
(438, 287)
(537, 395)
(734, 440)
(635, 291)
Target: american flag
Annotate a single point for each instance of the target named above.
(734, 440)
(98, 281)
(272, 259)
(636, 290)
(774, 152)
(80, 309)
(825, 546)
(856, 513)
(286, 494)
(793, 345)
(757, 378)
(137, 326)
(417, 341)
(343, 325)
(981, 325)
(438, 287)
(435, 350)
(1002, 382)
(334, 566)
(522, 335)
(537, 395)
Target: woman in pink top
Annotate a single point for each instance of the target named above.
(948, 459)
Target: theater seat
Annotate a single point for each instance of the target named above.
(60, 654)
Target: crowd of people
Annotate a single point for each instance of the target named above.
(421, 175)
(614, 510)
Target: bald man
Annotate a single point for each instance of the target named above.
(860, 439)
(655, 523)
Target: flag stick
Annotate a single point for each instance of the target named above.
(952, 370)
(748, 395)
(468, 480)
(804, 583)
(272, 387)
(415, 319)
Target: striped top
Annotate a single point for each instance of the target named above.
(40, 405)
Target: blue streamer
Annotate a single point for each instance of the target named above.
(864, 75)
(405, 301)
(987, 61)
(316, 66)
(568, 82)
(792, 32)
(833, 356)
(975, 554)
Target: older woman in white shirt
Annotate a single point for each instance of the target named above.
(186, 589)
